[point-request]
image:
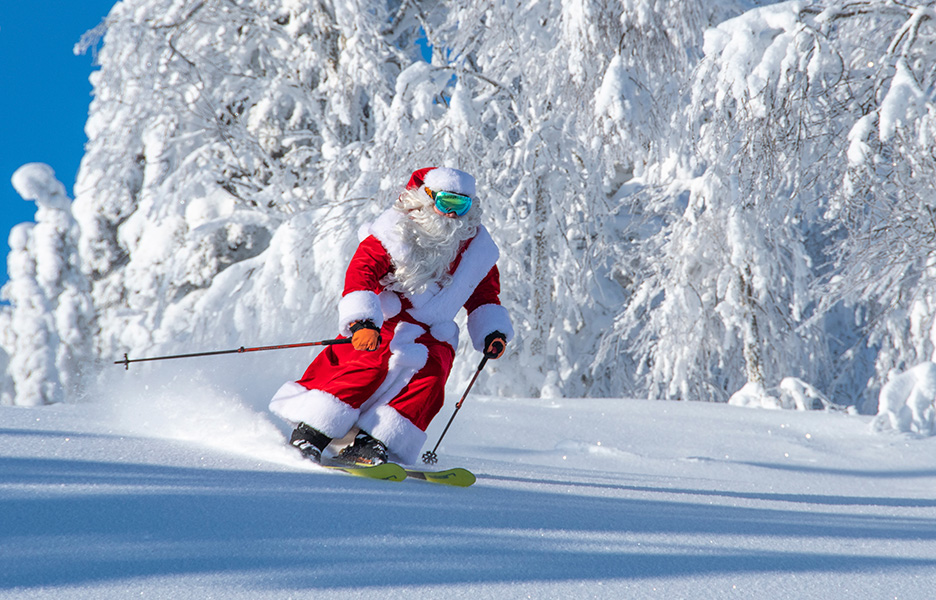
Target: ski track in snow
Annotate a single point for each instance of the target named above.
(194, 495)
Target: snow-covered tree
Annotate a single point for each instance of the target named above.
(29, 339)
(693, 317)
(50, 315)
(7, 389)
(247, 125)
(775, 170)
(886, 200)
(724, 292)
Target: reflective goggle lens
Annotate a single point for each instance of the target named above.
(450, 202)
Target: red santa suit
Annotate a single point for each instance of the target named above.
(393, 393)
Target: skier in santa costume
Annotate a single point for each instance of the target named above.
(417, 265)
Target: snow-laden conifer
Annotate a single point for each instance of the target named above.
(49, 319)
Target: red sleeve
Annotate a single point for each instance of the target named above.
(367, 267)
(487, 292)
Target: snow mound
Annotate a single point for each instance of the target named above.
(791, 394)
(906, 402)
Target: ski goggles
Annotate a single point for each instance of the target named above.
(450, 202)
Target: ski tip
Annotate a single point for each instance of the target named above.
(457, 477)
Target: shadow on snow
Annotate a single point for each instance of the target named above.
(316, 530)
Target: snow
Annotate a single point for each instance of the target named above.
(36, 181)
(765, 32)
(791, 394)
(174, 485)
(902, 103)
(906, 401)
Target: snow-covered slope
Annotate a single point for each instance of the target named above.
(191, 494)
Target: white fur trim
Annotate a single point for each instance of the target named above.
(315, 408)
(384, 228)
(450, 180)
(358, 306)
(384, 423)
(485, 320)
(406, 359)
(363, 231)
(390, 304)
(446, 331)
(404, 347)
(403, 439)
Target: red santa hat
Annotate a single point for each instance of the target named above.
(443, 179)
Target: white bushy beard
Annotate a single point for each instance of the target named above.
(433, 241)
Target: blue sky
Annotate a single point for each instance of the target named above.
(45, 95)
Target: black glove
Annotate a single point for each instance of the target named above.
(495, 344)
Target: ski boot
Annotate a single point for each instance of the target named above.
(310, 442)
(365, 450)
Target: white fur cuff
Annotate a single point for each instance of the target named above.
(317, 409)
(485, 320)
(358, 306)
(403, 439)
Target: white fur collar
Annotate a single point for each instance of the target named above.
(384, 228)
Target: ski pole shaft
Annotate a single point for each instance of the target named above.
(126, 360)
(432, 454)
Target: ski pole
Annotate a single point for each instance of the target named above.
(126, 360)
(430, 457)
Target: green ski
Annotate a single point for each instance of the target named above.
(393, 472)
(457, 477)
(386, 471)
